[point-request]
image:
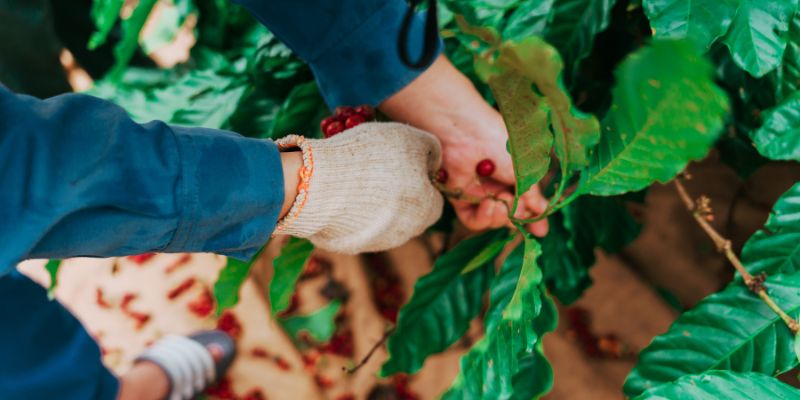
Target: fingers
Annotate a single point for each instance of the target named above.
(489, 213)
(535, 204)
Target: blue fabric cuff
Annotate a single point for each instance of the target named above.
(365, 67)
(231, 190)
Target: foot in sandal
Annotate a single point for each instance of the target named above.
(179, 367)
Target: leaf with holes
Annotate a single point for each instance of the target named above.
(730, 330)
(287, 268)
(442, 305)
(757, 37)
(779, 137)
(776, 248)
(574, 132)
(529, 139)
(715, 385)
(666, 112)
(701, 21)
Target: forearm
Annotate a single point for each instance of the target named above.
(351, 45)
(80, 178)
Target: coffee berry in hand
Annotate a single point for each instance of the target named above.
(346, 117)
(441, 176)
(484, 167)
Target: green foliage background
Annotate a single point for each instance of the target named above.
(622, 93)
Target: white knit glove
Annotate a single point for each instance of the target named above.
(367, 188)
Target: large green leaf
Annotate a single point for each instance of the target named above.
(572, 26)
(529, 19)
(666, 112)
(489, 368)
(529, 139)
(574, 132)
(731, 330)
(300, 114)
(198, 98)
(287, 268)
(716, 385)
(701, 21)
(104, 14)
(565, 272)
(52, 267)
(789, 71)
(320, 325)
(442, 305)
(535, 375)
(776, 248)
(757, 37)
(779, 137)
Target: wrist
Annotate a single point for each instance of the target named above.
(291, 161)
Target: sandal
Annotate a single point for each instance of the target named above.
(188, 362)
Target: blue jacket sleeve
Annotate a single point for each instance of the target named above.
(80, 178)
(351, 45)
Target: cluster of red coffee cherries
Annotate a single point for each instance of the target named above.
(346, 117)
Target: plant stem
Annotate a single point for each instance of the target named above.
(754, 284)
(371, 351)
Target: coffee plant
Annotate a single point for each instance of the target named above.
(601, 99)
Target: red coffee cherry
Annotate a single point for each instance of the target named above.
(344, 111)
(323, 125)
(365, 111)
(353, 121)
(485, 167)
(333, 128)
(441, 176)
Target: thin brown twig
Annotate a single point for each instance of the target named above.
(458, 194)
(754, 284)
(371, 352)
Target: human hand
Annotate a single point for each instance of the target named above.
(368, 188)
(444, 102)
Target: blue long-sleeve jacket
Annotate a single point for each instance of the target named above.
(78, 177)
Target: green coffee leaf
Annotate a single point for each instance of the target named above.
(776, 248)
(789, 72)
(104, 14)
(715, 385)
(52, 267)
(489, 251)
(287, 268)
(565, 272)
(229, 283)
(666, 112)
(757, 37)
(574, 132)
(488, 369)
(300, 114)
(797, 346)
(572, 26)
(442, 305)
(529, 19)
(701, 21)
(525, 116)
(730, 330)
(779, 137)
(319, 325)
(129, 43)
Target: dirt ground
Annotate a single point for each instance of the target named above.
(635, 296)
